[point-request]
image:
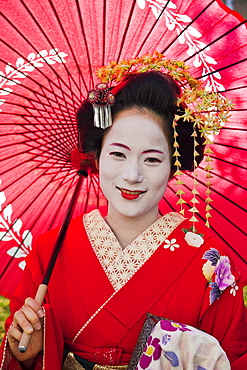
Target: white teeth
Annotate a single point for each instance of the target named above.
(131, 192)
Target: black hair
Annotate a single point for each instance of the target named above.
(155, 92)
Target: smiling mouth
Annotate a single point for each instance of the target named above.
(130, 195)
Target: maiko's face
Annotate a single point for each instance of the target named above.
(134, 165)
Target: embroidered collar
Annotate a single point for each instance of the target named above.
(121, 264)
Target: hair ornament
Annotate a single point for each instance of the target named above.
(207, 110)
(102, 99)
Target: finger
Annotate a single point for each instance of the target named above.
(21, 320)
(35, 306)
(14, 334)
(31, 316)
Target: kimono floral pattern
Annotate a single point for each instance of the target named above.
(155, 348)
(173, 326)
(219, 268)
(172, 345)
(171, 244)
(152, 351)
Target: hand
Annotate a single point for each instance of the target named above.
(29, 320)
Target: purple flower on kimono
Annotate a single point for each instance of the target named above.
(222, 272)
(223, 277)
(152, 351)
(173, 326)
(212, 255)
(215, 292)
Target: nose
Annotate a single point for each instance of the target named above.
(132, 173)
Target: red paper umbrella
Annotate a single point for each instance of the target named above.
(49, 53)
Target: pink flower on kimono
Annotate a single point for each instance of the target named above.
(152, 351)
(223, 277)
(173, 326)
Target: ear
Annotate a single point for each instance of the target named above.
(171, 174)
(97, 163)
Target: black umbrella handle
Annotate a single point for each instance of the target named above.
(82, 174)
(23, 344)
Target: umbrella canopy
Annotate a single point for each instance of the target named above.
(50, 50)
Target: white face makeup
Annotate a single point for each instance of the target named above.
(134, 165)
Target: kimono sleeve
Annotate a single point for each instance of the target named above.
(32, 277)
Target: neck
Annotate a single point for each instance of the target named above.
(127, 229)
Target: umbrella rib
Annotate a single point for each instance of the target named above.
(223, 178)
(153, 26)
(222, 68)
(238, 110)
(104, 33)
(188, 25)
(36, 93)
(38, 194)
(55, 113)
(60, 129)
(44, 152)
(70, 46)
(216, 210)
(32, 79)
(217, 39)
(36, 68)
(230, 146)
(86, 44)
(38, 166)
(49, 41)
(219, 193)
(28, 123)
(32, 101)
(235, 88)
(68, 147)
(216, 232)
(235, 128)
(60, 205)
(38, 215)
(232, 164)
(69, 126)
(75, 105)
(126, 28)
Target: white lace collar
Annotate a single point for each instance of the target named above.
(121, 264)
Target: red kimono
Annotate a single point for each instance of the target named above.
(99, 294)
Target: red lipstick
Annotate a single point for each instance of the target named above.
(130, 195)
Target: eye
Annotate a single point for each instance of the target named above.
(152, 160)
(117, 154)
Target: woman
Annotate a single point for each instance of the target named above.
(113, 269)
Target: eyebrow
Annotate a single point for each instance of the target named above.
(121, 145)
(144, 152)
(153, 151)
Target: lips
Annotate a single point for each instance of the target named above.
(130, 195)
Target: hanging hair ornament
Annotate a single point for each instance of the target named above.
(207, 110)
(102, 99)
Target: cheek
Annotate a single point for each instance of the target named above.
(161, 177)
(107, 170)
